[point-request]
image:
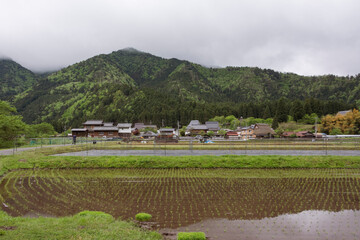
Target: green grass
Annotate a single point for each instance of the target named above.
(143, 217)
(85, 225)
(32, 159)
(191, 236)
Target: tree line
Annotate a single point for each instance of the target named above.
(12, 127)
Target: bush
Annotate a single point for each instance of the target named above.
(336, 131)
(143, 217)
(93, 214)
(191, 236)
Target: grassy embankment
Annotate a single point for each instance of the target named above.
(257, 144)
(100, 226)
(40, 158)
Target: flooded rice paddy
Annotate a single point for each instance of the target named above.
(223, 203)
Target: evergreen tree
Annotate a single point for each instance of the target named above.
(297, 110)
(267, 113)
(275, 123)
(281, 111)
(307, 107)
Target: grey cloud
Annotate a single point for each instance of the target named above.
(305, 37)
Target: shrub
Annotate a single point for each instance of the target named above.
(2, 232)
(93, 214)
(143, 217)
(191, 236)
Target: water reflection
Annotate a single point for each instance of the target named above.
(304, 225)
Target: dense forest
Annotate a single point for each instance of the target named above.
(14, 79)
(131, 86)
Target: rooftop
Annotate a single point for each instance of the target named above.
(212, 125)
(105, 129)
(124, 125)
(79, 130)
(166, 130)
(194, 122)
(199, 127)
(94, 122)
(343, 112)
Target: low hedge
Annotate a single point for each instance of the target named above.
(143, 217)
(191, 236)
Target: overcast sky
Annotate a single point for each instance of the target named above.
(309, 37)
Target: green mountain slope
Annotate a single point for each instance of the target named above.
(129, 85)
(14, 79)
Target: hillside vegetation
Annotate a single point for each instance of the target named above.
(129, 86)
(14, 79)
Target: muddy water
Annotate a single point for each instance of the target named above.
(225, 203)
(305, 225)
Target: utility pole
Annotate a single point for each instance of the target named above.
(178, 128)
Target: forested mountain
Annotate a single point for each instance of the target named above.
(129, 85)
(14, 79)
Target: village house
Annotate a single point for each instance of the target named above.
(108, 124)
(288, 134)
(108, 132)
(192, 123)
(90, 124)
(198, 129)
(142, 126)
(124, 130)
(166, 132)
(149, 135)
(263, 130)
(166, 135)
(232, 135)
(304, 134)
(213, 126)
(247, 133)
(79, 132)
(97, 128)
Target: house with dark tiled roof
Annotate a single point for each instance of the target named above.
(149, 135)
(124, 130)
(108, 124)
(198, 129)
(90, 124)
(79, 132)
(192, 123)
(141, 126)
(213, 126)
(166, 132)
(108, 132)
